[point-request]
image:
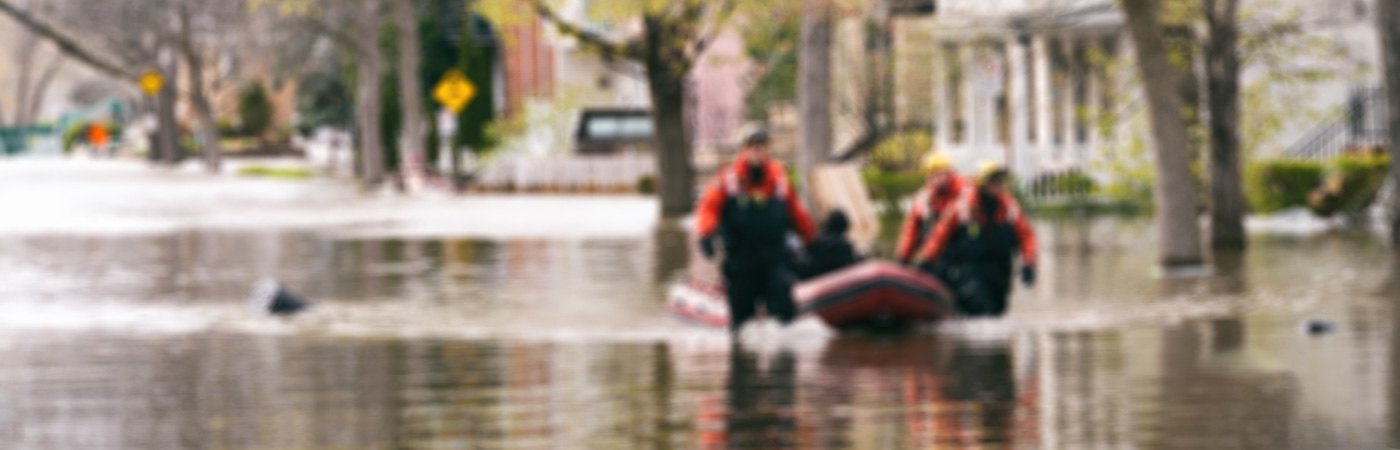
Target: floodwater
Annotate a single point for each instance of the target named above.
(539, 322)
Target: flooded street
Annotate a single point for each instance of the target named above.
(539, 322)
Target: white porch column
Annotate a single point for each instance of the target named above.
(1018, 102)
(988, 88)
(1044, 112)
(1068, 98)
(942, 101)
(1094, 105)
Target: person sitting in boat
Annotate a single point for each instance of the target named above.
(975, 243)
(831, 251)
(751, 206)
(944, 185)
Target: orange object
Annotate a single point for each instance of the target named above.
(968, 210)
(930, 204)
(97, 135)
(733, 180)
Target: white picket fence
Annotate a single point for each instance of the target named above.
(611, 173)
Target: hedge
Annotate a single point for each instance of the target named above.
(1278, 184)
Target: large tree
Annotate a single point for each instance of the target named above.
(673, 36)
(123, 37)
(1223, 100)
(200, 25)
(1175, 193)
(409, 65)
(1388, 26)
(814, 88)
(120, 37)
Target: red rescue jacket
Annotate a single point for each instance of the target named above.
(733, 181)
(930, 204)
(968, 210)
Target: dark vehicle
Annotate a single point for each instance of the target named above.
(611, 131)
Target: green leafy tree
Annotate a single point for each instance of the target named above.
(255, 109)
(324, 98)
(771, 43)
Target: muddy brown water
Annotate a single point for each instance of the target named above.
(135, 335)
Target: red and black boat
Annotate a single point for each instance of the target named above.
(873, 292)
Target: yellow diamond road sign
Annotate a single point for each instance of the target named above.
(455, 91)
(151, 82)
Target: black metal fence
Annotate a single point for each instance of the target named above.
(1362, 123)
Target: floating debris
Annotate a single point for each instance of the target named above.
(270, 297)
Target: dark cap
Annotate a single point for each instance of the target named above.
(756, 136)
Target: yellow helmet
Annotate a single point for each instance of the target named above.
(989, 168)
(936, 162)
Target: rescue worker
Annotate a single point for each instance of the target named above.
(751, 206)
(944, 185)
(974, 244)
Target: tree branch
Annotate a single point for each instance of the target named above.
(721, 19)
(629, 49)
(67, 44)
(339, 36)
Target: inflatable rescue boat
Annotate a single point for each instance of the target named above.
(873, 292)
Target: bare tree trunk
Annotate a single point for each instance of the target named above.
(213, 155)
(1180, 234)
(1388, 16)
(367, 95)
(166, 148)
(1223, 78)
(665, 64)
(410, 89)
(814, 90)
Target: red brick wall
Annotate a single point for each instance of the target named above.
(529, 64)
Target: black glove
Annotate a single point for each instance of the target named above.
(707, 247)
(1028, 275)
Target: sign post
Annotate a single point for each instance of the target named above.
(151, 82)
(454, 92)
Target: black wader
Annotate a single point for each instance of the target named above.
(756, 263)
(978, 267)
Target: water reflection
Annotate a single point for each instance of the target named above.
(1222, 395)
(578, 352)
(926, 391)
(760, 401)
(672, 243)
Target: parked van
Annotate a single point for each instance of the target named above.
(613, 131)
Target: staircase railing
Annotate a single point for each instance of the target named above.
(1361, 123)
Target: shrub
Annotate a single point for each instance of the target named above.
(1350, 185)
(254, 108)
(646, 184)
(228, 129)
(78, 132)
(889, 188)
(901, 151)
(1278, 184)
